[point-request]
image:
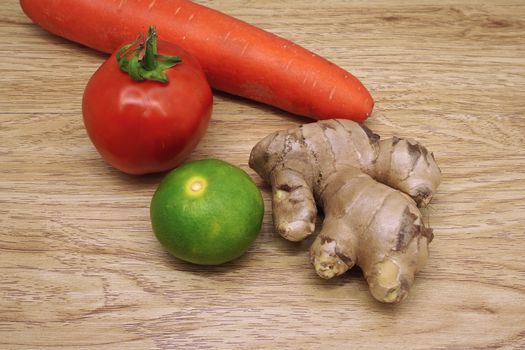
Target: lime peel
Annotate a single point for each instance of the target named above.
(207, 212)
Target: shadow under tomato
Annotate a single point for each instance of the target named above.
(152, 179)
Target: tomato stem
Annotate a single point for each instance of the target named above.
(141, 60)
(150, 53)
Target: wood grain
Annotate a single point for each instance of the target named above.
(81, 269)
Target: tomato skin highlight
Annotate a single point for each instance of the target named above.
(147, 126)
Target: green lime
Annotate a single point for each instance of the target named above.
(207, 212)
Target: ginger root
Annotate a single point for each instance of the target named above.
(369, 190)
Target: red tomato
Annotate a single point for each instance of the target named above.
(147, 126)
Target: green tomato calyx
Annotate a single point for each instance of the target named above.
(141, 60)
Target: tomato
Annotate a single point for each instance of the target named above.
(147, 126)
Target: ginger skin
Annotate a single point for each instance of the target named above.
(369, 190)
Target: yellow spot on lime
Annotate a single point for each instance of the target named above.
(215, 229)
(195, 186)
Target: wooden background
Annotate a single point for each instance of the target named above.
(81, 269)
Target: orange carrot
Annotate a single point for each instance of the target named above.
(238, 58)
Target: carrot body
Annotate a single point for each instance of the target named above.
(237, 58)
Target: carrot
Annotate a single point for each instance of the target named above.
(237, 58)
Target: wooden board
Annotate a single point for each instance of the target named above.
(81, 269)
